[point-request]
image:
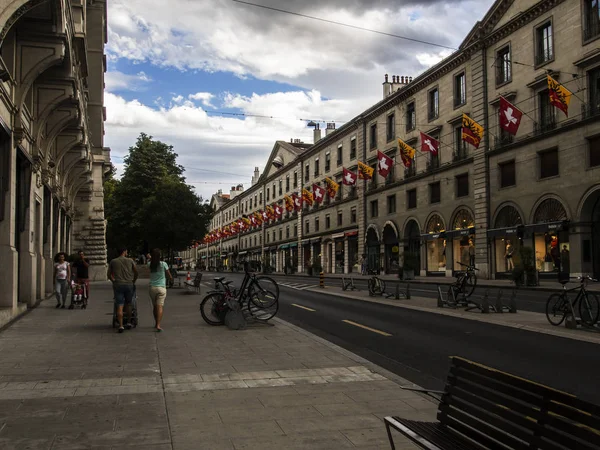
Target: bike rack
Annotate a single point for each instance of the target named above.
(397, 294)
(348, 284)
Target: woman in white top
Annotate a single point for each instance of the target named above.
(62, 275)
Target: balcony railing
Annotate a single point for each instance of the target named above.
(373, 185)
(433, 164)
(590, 110)
(459, 155)
(503, 139)
(544, 56)
(410, 171)
(545, 125)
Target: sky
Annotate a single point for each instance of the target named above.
(195, 73)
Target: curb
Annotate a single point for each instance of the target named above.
(460, 315)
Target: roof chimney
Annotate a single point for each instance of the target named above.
(330, 128)
(387, 86)
(316, 134)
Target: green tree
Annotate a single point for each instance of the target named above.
(152, 206)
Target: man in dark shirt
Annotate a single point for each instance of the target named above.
(123, 273)
(82, 272)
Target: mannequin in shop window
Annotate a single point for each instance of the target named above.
(443, 262)
(471, 252)
(564, 260)
(555, 252)
(508, 255)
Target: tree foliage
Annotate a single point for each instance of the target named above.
(152, 206)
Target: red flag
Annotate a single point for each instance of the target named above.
(349, 178)
(510, 116)
(318, 193)
(278, 211)
(265, 216)
(384, 164)
(297, 202)
(429, 144)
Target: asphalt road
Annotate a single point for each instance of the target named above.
(416, 345)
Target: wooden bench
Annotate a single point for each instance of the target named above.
(483, 408)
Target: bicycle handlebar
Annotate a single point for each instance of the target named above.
(586, 278)
(467, 265)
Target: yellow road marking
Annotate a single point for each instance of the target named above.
(303, 307)
(383, 333)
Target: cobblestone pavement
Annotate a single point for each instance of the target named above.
(69, 381)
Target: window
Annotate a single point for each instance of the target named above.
(434, 192)
(544, 43)
(594, 149)
(549, 163)
(373, 182)
(274, 236)
(327, 221)
(260, 198)
(411, 117)
(411, 199)
(287, 232)
(327, 161)
(460, 89)
(316, 224)
(267, 238)
(280, 234)
(316, 167)
(373, 136)
(353, 215)
(268, 197)
(374, 208)
(295, 179)
(353, 149)
(460, 146)
(503, 65)
(295, 230)
(391, 127)
(391, 204)
(433, 105)
(340, 219)
(339, 156)
(546, 118)
(287, 183)
(307, 227)
(307, 172)
(591, 17)
(255, 200)
(274, 191)
(462, 185)
(280, 187)
(594, 84)
(507, 174)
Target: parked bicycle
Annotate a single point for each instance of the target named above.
(376, 286)
(559, 305)
(467, 278)
(258, 296)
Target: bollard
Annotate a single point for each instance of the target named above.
(512, 306)
(321, 280)
(408, 290)
(499, 305)
(485, 303)
(440, 300)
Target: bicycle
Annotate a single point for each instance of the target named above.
(376, 286)
(259, 295)
(559, 305)
(467, 278)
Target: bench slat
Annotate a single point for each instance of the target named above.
(437, 435)
(559, 430)
(484, 441)
(478, 423)
(586, 416)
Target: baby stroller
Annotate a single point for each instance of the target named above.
(134, 314)
(79, 296)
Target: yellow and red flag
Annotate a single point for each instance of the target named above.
(332, 187)
(259, 218)
(407, 153)
(307, 197)
(270, 212)
(560, 96)
(365, 172)
(472, 132)
(289, 203)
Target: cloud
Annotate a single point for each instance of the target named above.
(119, 81)
(204, 97)
(210, 146)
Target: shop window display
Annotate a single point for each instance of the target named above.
(463, 246)
(507, 243)
(436, 245)
(548, 243)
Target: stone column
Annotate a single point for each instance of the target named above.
(346, 260)
(8, 253)
(28, 272)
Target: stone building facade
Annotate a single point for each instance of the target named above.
(52, 157)
(540, 188)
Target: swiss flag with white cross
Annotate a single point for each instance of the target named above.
(349, 178)
(384, 164)
(318, 193)
(297, 202)
(278, 211)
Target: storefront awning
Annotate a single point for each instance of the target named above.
(433, 236)
(223, 256)
(459, 233)
(293, 245)
(203, 256)
(283, 246)
(337, 236)
(351, 233)
(305, 242)
(547, 226)
(242, 253)
(496, 232)
(315, 241)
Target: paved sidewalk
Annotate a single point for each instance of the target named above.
(525, 320)
(69, 381)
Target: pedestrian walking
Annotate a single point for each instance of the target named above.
(62, 275)
(123, 273)
(159, 272)
(81, 266)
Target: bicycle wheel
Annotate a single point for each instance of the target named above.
(261, 286)
(470, 284)
(555, 309)
(260, 310)
(213, 309)
(589, 308)
(452, 295)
